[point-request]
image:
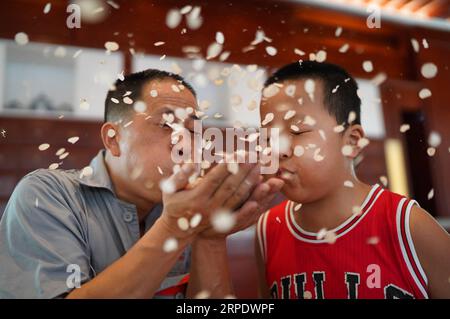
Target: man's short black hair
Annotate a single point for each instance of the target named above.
(115, 108)
(338, 104)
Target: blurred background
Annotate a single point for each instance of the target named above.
(58, 59)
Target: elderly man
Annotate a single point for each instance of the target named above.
(109, 231)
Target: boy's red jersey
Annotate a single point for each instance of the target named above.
(373, 255)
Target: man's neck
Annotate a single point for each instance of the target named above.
(143, 205)
(332, 210)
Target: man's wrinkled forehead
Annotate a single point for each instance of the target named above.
(170, 102)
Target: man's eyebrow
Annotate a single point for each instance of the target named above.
(169, 110)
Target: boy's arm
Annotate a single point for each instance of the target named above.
(432, 244)
(263, 289)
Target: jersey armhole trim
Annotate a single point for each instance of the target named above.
(261, 232)
(407, 246)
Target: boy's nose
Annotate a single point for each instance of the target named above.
(286, 153)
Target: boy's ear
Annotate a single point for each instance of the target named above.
(355, 137)
(110, 138)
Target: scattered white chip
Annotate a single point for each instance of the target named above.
(170, 245)
(53, 166)
(44, 146)
(299, 150)
(127, 100)
(63, 156)
(351, 117)
(111, 46)
(299, 52)
(271, 50)
(347, 150)
(120, 76)
(183, 223)
(290, 90)
(317, 157)
(404, 128)
(21, 38)
(356, 210)
(309, 120)
(153, 93)
(338, 32)
(424, 93)
(214, 49)
(374, 240)
(140, 107)
(47, 8)
(330, 237)
(271, 90)
(415, 45)
(310, 87)
(233, 168)
(267, 119)
(425, 43)
(220, 38)
(86, 171)
(173, 18)
(335, 89)
(348, 183)
(73, 140)
(322, 135)
(60, 151)
(321, 56)
(160, 171)
(223, 221)
(434, 139)
(339, 128)
(429, 70)
(379, 78)
(363, 142)
(195, 220)
(431, 151)
(289, 114)
(297, 207)
(344, 48)
(159, 43)
(321, 234)
(114, 100)
(367, 66)
(77, 53)
(84, 105)
(204, 294)
(430, 194)
(111, 133)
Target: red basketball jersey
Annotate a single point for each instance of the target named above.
(373, 255)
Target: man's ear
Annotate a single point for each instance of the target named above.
(110, 138)
(355, 137)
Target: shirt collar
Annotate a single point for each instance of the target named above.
(100, 176)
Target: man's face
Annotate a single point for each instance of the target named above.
(145, 138)
(311, 159)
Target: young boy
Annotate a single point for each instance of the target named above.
(335, 236)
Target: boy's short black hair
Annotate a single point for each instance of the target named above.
(134, 83)
(338, 104)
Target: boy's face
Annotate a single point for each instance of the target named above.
(311, 160)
